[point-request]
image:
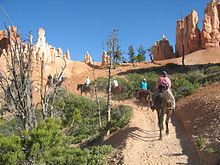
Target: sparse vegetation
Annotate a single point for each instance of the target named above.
(200, 142)
(211, 150)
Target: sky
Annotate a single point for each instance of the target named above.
(83, 25)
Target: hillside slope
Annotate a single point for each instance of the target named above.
(211, 55)
(200, 116)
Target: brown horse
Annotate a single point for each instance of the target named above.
(145, 96)
(116, 91)
(162, 106)
(85, 89)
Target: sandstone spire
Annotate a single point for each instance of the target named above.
(162, 49)
(187, 34)
(211, 31)
(104, 58)
(87, 58)
(67, 55)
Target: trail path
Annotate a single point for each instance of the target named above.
(141, 144)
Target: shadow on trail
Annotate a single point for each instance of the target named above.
(146, 138)
(118, 139)
(185, 143)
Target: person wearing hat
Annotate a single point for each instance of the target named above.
(143, 86)
(115, 82)
(87, 81)
(165, 82)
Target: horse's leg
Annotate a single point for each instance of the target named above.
(147, 102)
(159, 123)
(167, 121)
(142, 103)
(91, 94)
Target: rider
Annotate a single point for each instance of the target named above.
(164, 81)
(115, 82)
(87, 81)
(143, 86)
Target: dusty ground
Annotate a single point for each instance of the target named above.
(140, 142)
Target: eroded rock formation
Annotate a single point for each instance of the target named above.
(41, 50)
(104, 58)
(162, 50)
(187, 35)
(211, 31)
(87, 58)
(4, 38)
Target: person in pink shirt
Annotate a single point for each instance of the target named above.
(165, 83)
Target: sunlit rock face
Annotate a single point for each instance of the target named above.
(162, 50)
(210, 34)
(105, 58)
(87, 58)
(5, 39)
(188, 35)
(47, 52)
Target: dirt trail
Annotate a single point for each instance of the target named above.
(141, 144)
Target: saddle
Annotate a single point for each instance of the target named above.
(85, 86)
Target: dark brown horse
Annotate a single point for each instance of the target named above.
(85, 89)
(145, 96)
(162, 106)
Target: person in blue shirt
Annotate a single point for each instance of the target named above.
(143, 86)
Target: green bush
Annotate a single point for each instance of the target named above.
(11, 127)
(80, 116)
(200, 142)
(183, 87)
(211, 150)
(11, 150)
(47, 145)
(212, 69)
(121, 115)
(102, 84)
(193, 76)
(2, 121)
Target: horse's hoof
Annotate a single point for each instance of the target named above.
(167, 132)
(160, 138)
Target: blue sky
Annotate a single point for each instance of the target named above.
(82, 25)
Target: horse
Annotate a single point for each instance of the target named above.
(145, 96)
(116, 91)
(162, 106)
(53, 80)
(85, 89)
